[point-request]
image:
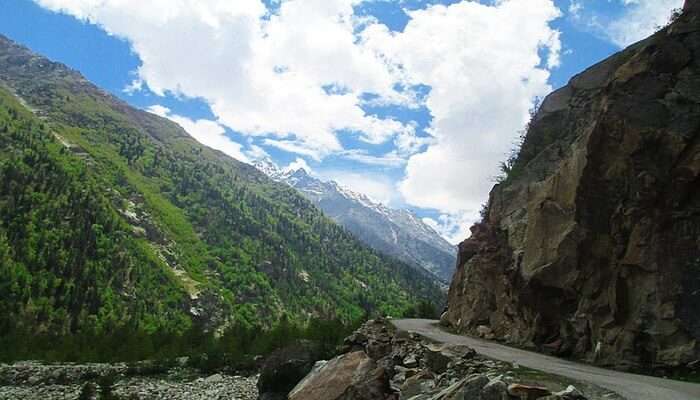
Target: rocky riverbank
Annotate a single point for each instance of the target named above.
(377, 362)
(381, 363)
(36, 381)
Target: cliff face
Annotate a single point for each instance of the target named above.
(591, 248)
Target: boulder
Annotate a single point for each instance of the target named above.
(214, 378)
(436, 359)
(444, 320)
(527, 392)
(284, 368)
(420, 383)
(494, 390)
(410, 361)
(570, 393)
(483, 330)
(351, 376)
(466, 389)
(377, 349)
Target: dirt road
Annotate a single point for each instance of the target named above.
(630, 386)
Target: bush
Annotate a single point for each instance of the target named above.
(522, 152)
(424, 309)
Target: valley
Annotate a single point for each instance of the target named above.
(138, 262)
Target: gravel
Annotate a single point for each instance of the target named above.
(31, 380)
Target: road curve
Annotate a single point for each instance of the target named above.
(630, 386)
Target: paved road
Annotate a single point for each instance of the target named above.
(630, 386)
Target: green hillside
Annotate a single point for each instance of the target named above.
(112, 217)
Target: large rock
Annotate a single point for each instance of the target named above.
(495, 390)
(591, 247)
(284, 368)
(528, 392)
(351, 376)
(436, 357)
(420, 383)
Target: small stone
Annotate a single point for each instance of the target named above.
(483, 330)
(410, 361)
(214, 378)
(571, 393)
(526, 392)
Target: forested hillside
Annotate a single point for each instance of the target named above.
(112, 216)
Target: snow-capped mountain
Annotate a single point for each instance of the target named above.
(398, 233)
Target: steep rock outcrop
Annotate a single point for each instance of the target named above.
(591, 247)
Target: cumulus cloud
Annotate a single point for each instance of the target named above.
(637, 20)
(297, 164)
(297, 79)
(453, 227)
(263, 74)
(640, 19)
(575, 8)
(484, 68)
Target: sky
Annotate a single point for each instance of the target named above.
(411, 102)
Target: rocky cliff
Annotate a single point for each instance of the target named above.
(591, 246)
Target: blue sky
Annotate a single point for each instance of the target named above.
(412, 102)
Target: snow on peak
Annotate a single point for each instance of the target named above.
(267, 167)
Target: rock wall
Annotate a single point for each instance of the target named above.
(591, 248)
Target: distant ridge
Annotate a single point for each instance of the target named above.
(398, 233)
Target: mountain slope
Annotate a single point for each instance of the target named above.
(107, 209)
(590, 248)
(397, 233)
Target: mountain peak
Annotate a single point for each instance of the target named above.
(299, 172)
(396, 232)
(267, 166)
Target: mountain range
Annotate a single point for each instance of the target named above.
(112, 216)
(395, 232)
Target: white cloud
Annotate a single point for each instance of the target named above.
(135, 86)
(207, 132)
(483, 65)
(641, 19)
(638, 19)
(297, 164)
(453, 227)
(257, 152)
(575, 8)
(261, 76)
(293, 146)
(379, 188)
(390, 159)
